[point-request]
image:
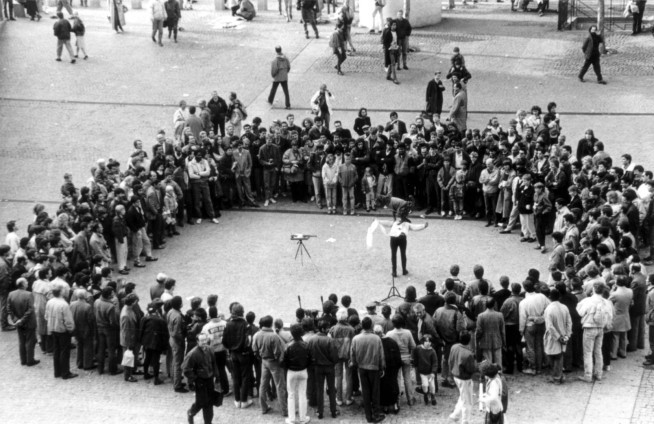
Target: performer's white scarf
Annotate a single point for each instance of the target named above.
(375, 224)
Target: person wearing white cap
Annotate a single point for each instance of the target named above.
(157, 289)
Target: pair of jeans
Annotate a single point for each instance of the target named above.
(490, 201)
(595, 61)
(392, 60)
(404, 48)
(273, 369)
(343, 364)
(203, 399)
(556, 361)
(340, 56)
(151, 359)
(463, 409)
(26, 344)
(534, 338)
(107, 342)
(61, 354)
(398, 242)
(317, 188)
(244, 191)
(385, 184)
(370, 392)
(60, 47)
(296, 384)
(63, 4)
(540, 221)
(619, 344)
(378, 11)
(330, 196)
(84, 351)
(121, 253)
(406, 376)
(269, 182)
(433, 192)
(513, 348)
(494, 356)
(593, 361)
(273, 91)
(446, 373)
(348, 199)
(4, 310)
(141, 243)
(637, 333)
(221, 363)
(177, 348)
(527, 223)
(202, 198)
(241, 377)
(325, 373)
(309, 18)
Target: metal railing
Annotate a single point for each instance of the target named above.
(587, 11)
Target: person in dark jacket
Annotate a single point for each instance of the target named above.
(324, 356)
(391, 47)
(135, 221)
(280, 68)
(174, 14)
(434, 95)
(337, 43)
(388, 385)
(403, 33)
(154, 339)
(62, 30)
(120, 233)
(79, 30)
(237, 340)
(463, 366)
(218, 107)
(591, 49)
(200, 369)
(361, 120)
(296, 359)
(108, 327)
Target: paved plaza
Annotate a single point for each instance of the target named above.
(58, 117)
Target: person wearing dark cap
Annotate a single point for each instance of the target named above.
(154, 339)
(20, 305)
(108, 327)
(200, 368)
(129, 326)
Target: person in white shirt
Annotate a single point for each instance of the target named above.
(398, 234)
(12, 240)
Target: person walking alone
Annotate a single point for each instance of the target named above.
(309, 9)
(391, 49)
(337, 43)
(280, 68)
(592, 49)
(62, 30)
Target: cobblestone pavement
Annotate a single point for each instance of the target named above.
(63, 117)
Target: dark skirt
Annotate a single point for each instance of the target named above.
(389, 390)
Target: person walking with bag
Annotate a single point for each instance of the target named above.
(129, 326)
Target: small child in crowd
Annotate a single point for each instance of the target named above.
(369, 186)
(426, 364)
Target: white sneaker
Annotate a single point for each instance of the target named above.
(443, 213)
(215, 221)
(265, 203)
(247, 404)
(237, 405)
(273, 201)
(339, 402)
(313, 198)
(450, 213)
(199, 221)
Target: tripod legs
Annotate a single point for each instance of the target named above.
(393, 292)
(301, 249)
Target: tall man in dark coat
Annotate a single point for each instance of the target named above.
(490, 333)
(403, 33)
(21, 310)
(592, 53)
(218, 107)
(637, 309)
(434, 95)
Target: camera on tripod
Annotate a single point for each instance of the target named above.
(301, 237)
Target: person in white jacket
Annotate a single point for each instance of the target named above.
(158, 15)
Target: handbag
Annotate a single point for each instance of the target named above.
(128, 358)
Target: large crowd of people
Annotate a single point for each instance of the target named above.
(57, 280)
